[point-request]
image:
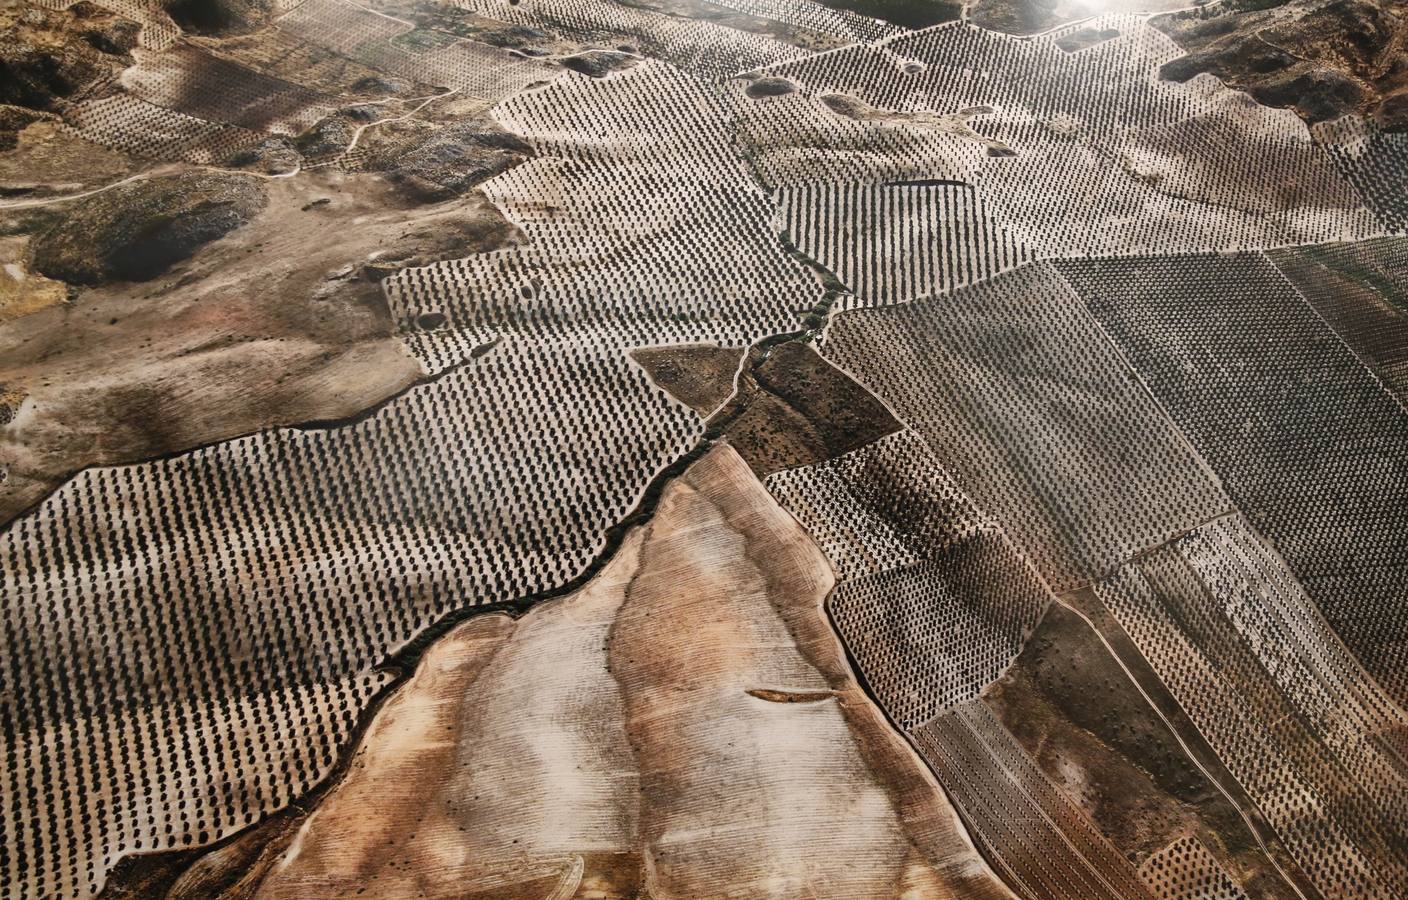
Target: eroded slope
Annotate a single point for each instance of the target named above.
(684, 725)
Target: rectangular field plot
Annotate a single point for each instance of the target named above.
(1029, 828)
(1025, 403)
(283, 56)
(134, 126)
(899, 241)
(1307, 442)
(189, 81)
(341, 27)
(1361, 290)
(1314, 741)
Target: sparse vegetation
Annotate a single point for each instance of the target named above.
(135, 232)
(327, 327)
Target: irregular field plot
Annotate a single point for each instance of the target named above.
(935, 602)
(297, 558)
(1101, 156)
(642, 227)
(1036, 836)
(1315, 742)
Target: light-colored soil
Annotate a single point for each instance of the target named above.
(277, 323)
(685, 725)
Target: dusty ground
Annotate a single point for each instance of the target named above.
(684, 725)
(1321, 59)
(273, 324)
(1069, 704)
(46, 161)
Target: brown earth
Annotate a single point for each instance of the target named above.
(1322, 60)
(21, 290)
(46, 161)
(273, 324)
(430, 164)
(686, 724)
(1070, 705)
(274, 53)
(794, 408)
(698, 375)
(150, 308)
(787, 406)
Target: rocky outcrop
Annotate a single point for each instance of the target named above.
(451, 160)
(220, 16)
(599, 63)
(47, 56)
(13, 120)
(1321, 59)
(275, 155)
(137, 231)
